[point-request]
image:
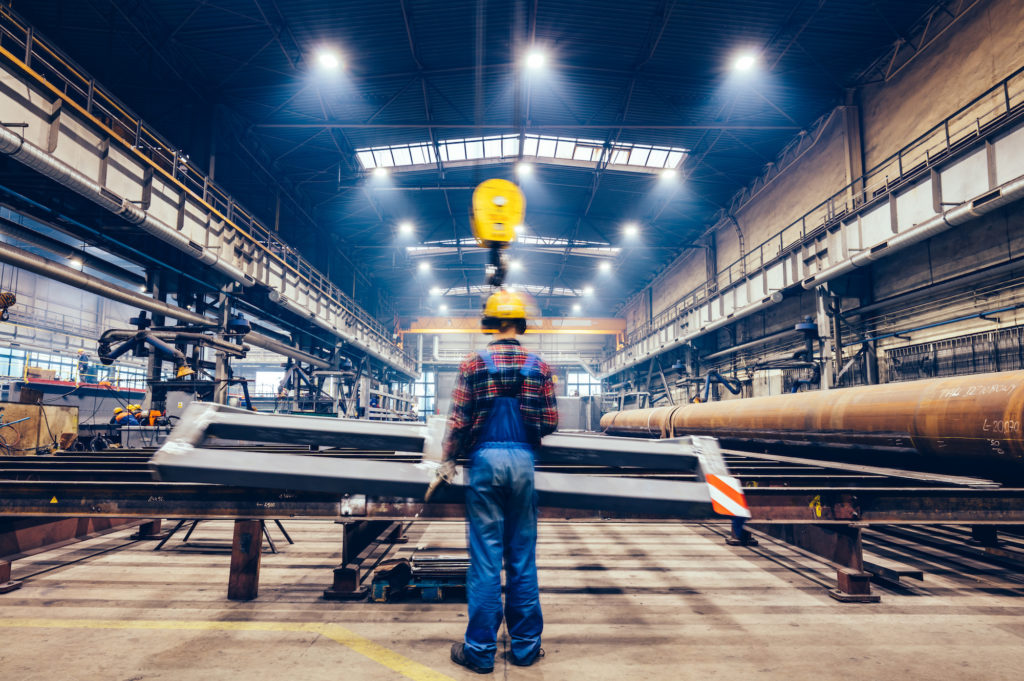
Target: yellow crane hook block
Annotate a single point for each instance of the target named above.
(498, 207)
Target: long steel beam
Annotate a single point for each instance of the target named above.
(181, 463)
(203, 420)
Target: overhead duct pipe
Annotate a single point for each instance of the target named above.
(267, 343)
(86, 282)
(59, 248)
(997, 198)
(15, 146)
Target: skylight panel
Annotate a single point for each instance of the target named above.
(401, 156)
(657, 158)
(503, 148)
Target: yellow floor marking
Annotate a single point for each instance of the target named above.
(364, 646)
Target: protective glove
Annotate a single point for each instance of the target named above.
(444, 476)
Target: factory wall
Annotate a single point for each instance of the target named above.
(983, 47)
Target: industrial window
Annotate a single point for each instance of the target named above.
(425, 389)
(267, 383)
(12, 362)
(581, 384)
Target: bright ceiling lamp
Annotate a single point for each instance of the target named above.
(424, 266)
(380, 172)
(631, 229)
(515, 265)
(524, 169)
(605, 266)
(577, 308)
(406, 228)
(669, 174)
(435, 291)
(744, 63)
(588, 290)
(535, 59)
(328, 60)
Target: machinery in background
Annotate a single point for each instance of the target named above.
(194, 377)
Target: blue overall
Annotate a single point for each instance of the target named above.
(501, 504)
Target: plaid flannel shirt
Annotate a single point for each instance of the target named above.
(475, 390)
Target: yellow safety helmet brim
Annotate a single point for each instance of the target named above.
(505, 305)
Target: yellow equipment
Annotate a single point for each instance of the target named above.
(504, 304)
(498, 207)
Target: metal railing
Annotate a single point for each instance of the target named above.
(975, 119)
(20, 44)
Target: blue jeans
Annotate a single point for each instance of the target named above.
(501, 504)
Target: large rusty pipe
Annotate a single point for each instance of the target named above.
(962, 417)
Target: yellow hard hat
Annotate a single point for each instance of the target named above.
(504, 304)
(81, 351)
(118, 410)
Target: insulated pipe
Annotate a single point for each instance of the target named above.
(974, 417)
(72, 277)
(1007, 193)
(18, 148)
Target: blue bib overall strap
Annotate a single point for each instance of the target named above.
(502, 508)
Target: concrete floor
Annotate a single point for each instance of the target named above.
(621, 601)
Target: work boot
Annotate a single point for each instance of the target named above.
(527, 662)
(459, 657)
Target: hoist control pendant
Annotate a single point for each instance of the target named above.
(498, 208)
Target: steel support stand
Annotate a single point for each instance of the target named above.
(359, 539)
(283, 531)
(244, 578)
(150, 529)
(169, 535)
(984, 535)
(841, 546)
(6, 583)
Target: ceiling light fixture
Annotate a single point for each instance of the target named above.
(631, 229)
(405, 227)
(524, 169)
(535, 59)
(380, 171)
(424, 266)
(605, 266)
(577, 308)
(588, 290)
(443, 308)
(328, 60)
(745, 62)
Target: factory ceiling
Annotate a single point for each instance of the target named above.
(362, 127)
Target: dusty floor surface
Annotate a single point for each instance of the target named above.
(621, 601)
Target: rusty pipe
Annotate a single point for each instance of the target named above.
(960, 417)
